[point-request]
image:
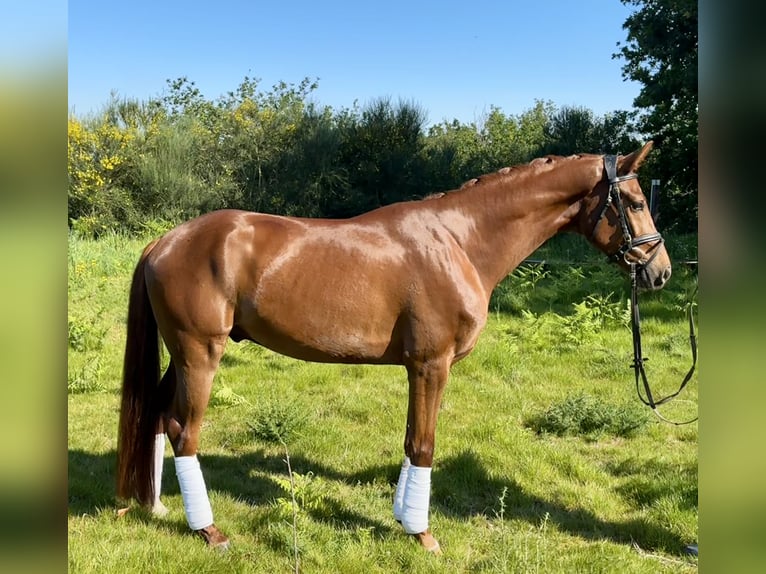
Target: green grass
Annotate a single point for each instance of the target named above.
(507, 495)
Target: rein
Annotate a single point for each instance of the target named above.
(639, 359)
(629, 242)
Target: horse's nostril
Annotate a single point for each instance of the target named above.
(663, 277)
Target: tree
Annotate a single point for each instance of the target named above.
(451, 153)
(661, 54)
(575, 129)
(456, 152)
(381, 153)
(570, 130)
(312, 180)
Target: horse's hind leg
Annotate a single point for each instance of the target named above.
(158, 508)
(167, 389)
(196, 362)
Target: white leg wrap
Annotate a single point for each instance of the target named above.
(199, 514)
(416, 500)
(401, 486)
(159, 458)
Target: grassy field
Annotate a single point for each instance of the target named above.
(545, 459)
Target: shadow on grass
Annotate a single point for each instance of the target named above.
(461, 488)
(647, 482)
(91, 486)
(90, 481)
(480, 494)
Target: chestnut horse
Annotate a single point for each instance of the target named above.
(406, 284)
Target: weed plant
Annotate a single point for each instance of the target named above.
(586, 415)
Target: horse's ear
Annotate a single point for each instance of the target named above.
(630, 163)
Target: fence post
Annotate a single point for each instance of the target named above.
(654, 198)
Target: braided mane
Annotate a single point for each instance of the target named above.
(535, 166)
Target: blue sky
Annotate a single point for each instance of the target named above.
(454, 59)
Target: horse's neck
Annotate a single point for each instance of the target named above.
(513, 216)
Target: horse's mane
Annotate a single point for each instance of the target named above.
(533, 167)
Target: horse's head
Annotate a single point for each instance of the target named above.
(616, 219)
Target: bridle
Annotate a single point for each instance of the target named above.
(630, 241)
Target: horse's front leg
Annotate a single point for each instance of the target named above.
(427, 380)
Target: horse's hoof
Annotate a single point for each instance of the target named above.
(214, 537)
(159, 510)
(428, 542)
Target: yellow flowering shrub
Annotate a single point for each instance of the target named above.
(95, 153)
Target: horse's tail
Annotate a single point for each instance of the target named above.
(139, 410)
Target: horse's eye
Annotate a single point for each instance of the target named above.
(637, 205)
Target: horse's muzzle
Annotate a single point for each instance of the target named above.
(653, 279)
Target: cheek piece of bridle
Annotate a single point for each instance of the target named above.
(639, 266)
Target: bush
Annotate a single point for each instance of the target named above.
(586, 415)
